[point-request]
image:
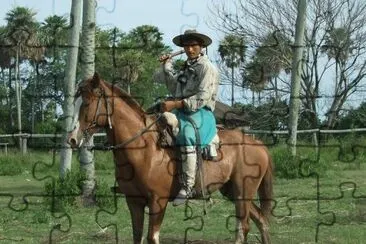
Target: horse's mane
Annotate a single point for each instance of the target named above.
(117, 91)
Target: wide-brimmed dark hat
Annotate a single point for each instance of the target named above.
(192, 35)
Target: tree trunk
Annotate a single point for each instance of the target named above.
(18, 97)
(232, 86)
(87, 71)
(11, 118)
(33, 96)
(277, 97)
(296, 74)
(333, 113)
(69, 84)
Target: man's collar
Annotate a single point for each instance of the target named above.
(193, 61)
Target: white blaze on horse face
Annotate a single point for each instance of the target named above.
(75, 121)
(77, 106)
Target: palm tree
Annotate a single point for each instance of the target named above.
(338, 46)
(21, 32)
(131, 67)
(54, 35)
(5, 63)
(147, 37)
(232, 52)
(271, 57)
(5, 56)
(144, 40)
(137, 59)
(108, 54)
(51, 33)
(255, 76)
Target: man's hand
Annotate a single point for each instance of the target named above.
(164, 58)
(168, 106)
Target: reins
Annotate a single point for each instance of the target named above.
(94, 121)
(128, 141)
(94, 124)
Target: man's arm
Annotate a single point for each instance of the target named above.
(167, 75)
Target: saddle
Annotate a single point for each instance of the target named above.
(168, 127)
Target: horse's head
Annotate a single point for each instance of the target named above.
(92, 110)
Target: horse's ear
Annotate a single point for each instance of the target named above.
(95, 80)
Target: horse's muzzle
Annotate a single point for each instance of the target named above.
(74, 139)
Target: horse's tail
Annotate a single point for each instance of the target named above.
(265, 190)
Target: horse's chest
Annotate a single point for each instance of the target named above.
(129, 181)
(131, 188)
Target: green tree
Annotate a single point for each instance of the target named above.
(46, 82)
(5, 55)
(141, 48)
(53, 36)
(5, 66)
(107, 53)
(353, 118)
(147, 38)
(130, 59)
(21, 32)
(270, 115)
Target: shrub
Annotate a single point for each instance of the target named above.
(285, 166)
(66, 192)
(305, 164)
(63, 192)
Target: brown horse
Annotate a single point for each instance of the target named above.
(147, 174)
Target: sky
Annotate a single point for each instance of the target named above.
(172, 17)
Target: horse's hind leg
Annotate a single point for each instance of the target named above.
(136, 207)
(242, 207)
(255, 214)
(261, 222)
(242, 210)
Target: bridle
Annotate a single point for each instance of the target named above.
(93, 124)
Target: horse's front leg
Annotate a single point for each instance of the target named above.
(136, 207)
(157, 207)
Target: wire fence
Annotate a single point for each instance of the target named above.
(55, 141)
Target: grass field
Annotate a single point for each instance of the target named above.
(328, 208)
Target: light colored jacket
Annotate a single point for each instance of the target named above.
(197, 83)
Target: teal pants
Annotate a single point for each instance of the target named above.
(205, 123)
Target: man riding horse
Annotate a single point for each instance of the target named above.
(194, 89)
